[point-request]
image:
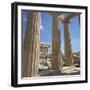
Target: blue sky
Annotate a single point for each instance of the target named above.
(46, 30)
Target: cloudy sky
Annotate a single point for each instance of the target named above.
(46, 30)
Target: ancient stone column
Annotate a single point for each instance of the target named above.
(30, 55)
(67, 44)
(55, 42)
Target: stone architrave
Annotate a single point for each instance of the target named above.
(30, 55)
(67, 44)
(55, 42)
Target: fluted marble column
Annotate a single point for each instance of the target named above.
(30, 55)
(55, 42)
(67, 44)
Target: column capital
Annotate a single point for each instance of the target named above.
(66, 22)
(55, 14)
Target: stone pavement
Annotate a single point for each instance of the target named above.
(65, 71)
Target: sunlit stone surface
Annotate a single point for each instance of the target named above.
(30, 56)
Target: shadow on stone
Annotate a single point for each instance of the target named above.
(58, 73)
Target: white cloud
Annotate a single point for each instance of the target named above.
(41, 26)
(25, 19)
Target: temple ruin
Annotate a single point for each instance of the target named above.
(31, 46)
